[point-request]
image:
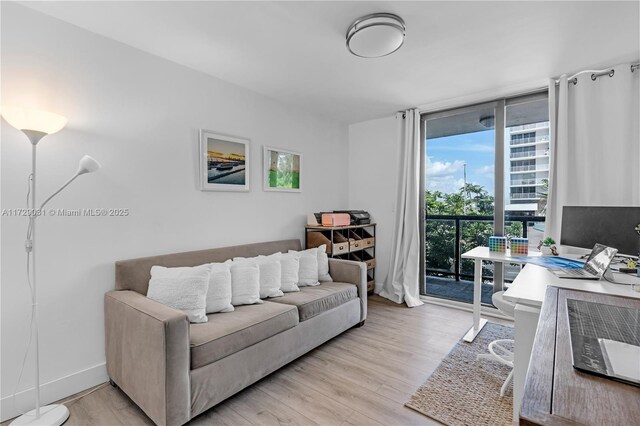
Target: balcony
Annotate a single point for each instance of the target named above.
(528, 182)
(448, 236)
(529, 154)
(524, 196)
(530, 168)
(523, 141)
(528, 127)
(459, 291)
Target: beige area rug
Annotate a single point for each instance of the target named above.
(463, 391)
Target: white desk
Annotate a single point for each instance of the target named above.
(527, 292)
(479, 255)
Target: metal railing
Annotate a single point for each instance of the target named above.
(524, 195)
(523, 141)
(532, 153)
(532, 167)
(533, 126)
(526, 182)
(457, 219)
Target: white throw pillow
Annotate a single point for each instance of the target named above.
(270, 274)
(323, 261)
(290, 266)
(323, 264)
(245, 283)
(219, 294)
(308, 267)
(184, 289)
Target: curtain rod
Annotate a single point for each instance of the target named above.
(596, 73)
(573, 79)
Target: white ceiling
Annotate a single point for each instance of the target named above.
(295, 51)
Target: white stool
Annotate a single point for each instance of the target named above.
(497, 352)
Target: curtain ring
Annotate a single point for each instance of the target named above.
(612, 73)
(574, 80)
(593, 77)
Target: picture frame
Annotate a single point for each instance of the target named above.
(282, 170)
(224, 162)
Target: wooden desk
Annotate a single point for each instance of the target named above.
(528, 291)
(557, 394)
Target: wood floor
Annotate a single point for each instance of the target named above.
(362, 377)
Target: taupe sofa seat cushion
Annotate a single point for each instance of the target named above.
(229, 332)
(312, 301)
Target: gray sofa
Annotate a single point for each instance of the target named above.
(174, 370)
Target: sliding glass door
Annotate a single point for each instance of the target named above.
(472, 188)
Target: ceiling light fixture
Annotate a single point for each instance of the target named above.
(488, 121)
(376, 35)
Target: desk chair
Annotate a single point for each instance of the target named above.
(497, 352)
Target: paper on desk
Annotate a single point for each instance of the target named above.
(623, 359)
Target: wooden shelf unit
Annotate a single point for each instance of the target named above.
(354, 242)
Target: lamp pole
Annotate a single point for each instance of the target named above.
(30, 247)
(46, 123)
(466, 194)
(34, 301)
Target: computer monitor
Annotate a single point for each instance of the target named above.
(584, 226)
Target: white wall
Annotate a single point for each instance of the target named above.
(139, 116)
(373, 174)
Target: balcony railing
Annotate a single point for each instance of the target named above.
(532, 167)
(524, 195)
(532, 126)
(439, 239)
(523, 168)
(529, 140)
(529, 154)
(527, 182)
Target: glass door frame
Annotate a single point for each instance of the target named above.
(498, 205)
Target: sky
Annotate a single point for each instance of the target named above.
(446, 156)
(225, 147)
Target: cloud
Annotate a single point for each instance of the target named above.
(486, 170)
(445, 184)
(444, 176)
(443, 168)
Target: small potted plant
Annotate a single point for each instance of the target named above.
(547, 247)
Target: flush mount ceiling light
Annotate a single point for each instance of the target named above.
(376, 35)
(488, 121)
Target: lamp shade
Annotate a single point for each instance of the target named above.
(23, 118)
(87, 165)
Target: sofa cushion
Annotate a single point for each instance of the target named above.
(230, 332)
(312, 301)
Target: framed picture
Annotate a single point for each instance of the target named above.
(224, 162)
(282, 170)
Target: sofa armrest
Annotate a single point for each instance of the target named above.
(148, 355)
(349, 271)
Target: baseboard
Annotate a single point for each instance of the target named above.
(52, 391)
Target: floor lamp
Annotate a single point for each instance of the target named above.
(36, 125)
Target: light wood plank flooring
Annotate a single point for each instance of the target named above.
(362, 377)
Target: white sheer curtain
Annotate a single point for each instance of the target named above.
(403, 279)
(595, 143)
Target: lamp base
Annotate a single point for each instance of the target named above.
(50, 415)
